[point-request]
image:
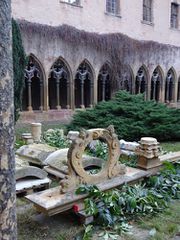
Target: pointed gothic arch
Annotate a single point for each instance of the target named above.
(33, 95)
(126, 79)
(104, 82)
(59, 85)
(141, 81)
(156, 84)
(170, 86)
(84, 85)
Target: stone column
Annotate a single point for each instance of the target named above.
(41, 95)
(91, 94)
(68, 95)
(178, 93)
(155, 78)
(167, 90)
(29, 95)
(46, 92)
(154, 88)
(82, 91)
(36, 131)
(163, 85)
(103, 88)
(147, 89)
(104, 80)
(58, 73)
(58, 94)
(29, 75)
(175, 91)
(139, 85)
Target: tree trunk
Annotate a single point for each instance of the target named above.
(7, 160)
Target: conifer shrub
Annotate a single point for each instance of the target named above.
(19, 63)
(132, 117)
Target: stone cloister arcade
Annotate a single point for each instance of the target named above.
(83, 88)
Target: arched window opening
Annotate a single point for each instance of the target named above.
(141, 81)
(104, 83)
(84, 86)
(156, 82)
(169, 87)
(126, 79)
(33, 92)
(59, 86)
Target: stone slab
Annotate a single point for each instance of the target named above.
(55, 172)
(172, 157)
(35, 153)
(26, 184)
(52, 202)
(29, 171)
(20, 162)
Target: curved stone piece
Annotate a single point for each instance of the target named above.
(20, 162)
(58, 160)
(77, 174)
(28, 171)
(35, 153)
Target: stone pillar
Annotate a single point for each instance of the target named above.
(36, 131)
(147, 89)
(103, 88)
(68, 95)
(175, 92)
(133, 84)
(163, 86)
(29, 95)
(46, 91)
(167, 90)
(139, 84)
(178, 92)
(91, 93)
(41, 95)
(57, 94)
(154, 81)
(104, 81)
(82, 91)
(148, 153)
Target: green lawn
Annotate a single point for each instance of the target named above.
(170, 146)
(166, 224)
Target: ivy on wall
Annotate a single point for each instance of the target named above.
(117, 46)
(19, 64)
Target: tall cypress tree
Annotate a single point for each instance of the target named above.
(19, 63)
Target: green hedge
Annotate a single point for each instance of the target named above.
(132, 117)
